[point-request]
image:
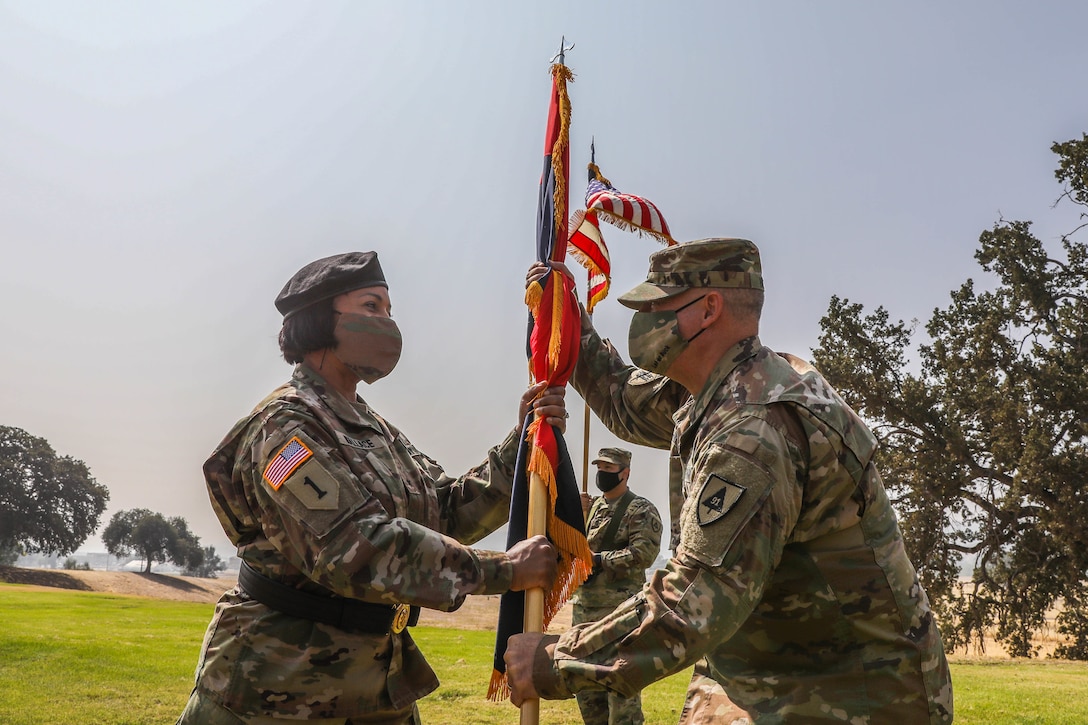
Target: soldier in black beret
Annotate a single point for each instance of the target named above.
(330, 276)
(310, 320)
(344, 528)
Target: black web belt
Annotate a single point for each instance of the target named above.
(348, 614)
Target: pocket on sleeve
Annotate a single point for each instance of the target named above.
(612, 628)
(727, 490)
(310, 485)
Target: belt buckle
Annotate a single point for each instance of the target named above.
(400, 618)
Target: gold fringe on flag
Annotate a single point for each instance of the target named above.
(534, 294)
(555, 341)
(534, 298)
(618, 221)
(562, 75)
(498, 689)
(575, 561)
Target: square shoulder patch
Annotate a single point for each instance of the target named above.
(284, 463)
(731, 489)
(314, 487)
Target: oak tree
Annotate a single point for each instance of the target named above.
(983, 427)
(153, 537)
(48, 503)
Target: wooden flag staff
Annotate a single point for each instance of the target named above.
(534, 598)
(538, 507)
(585, 428)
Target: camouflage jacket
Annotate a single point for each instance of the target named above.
(325, 495)
(636, 544)
(789, 574)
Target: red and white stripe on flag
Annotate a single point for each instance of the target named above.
(586, 244)
(634, 210)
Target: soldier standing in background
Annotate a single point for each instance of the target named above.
(624, 533)
(789, 589)
(344, 528)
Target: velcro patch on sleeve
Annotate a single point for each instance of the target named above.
(285, 462)
(730, 489)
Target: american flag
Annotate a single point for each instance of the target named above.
(626, 211)
(290, 457)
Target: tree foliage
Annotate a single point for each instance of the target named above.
(984, 449)
(153, 537)
(208, 567)
(48, 503)
(10, 554)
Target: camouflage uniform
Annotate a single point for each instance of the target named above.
(622, 573)
(790, 586)
(363, 515)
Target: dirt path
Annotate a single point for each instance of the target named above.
(475, 613)
(156, 586)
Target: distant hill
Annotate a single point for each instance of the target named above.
(156, 586)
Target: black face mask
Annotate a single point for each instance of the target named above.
(606, 481)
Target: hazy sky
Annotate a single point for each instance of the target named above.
(165, 167)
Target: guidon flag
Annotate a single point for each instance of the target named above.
(552, 348)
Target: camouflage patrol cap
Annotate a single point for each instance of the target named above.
(619, 456)
(703, 263)
(328, 277)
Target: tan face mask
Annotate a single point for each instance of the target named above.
(654, 340)
(369, 346)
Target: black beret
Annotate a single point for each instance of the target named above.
(329, 277)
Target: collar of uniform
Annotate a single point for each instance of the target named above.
(356, 413)
(611, 503)
(733, 357)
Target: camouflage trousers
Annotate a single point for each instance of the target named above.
(707, 704)
(607, 708)
(599, 707)
(202, 710)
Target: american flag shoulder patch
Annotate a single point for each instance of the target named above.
(284, 463)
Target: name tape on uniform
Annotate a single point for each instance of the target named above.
(365, 444)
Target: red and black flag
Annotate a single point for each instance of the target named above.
(553, 340)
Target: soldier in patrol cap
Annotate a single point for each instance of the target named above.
(344, 528)
(624, 533)
(789, 589)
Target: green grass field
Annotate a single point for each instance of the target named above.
(97, 659)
